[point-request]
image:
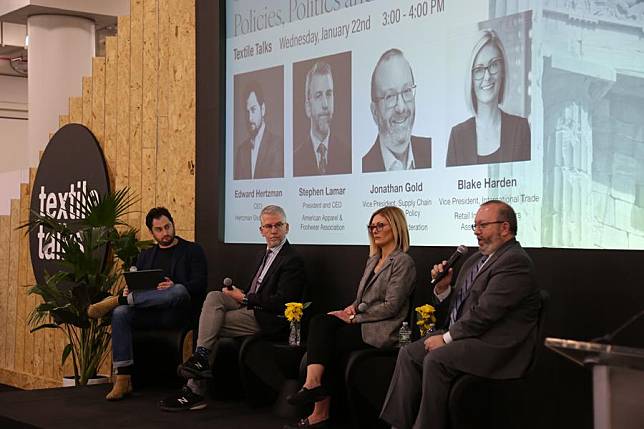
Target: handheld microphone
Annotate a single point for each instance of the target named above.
(362, 307)
(228, 282)
(460, 251)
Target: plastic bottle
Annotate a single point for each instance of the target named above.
(404, 335)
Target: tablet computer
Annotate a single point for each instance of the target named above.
(143, 279)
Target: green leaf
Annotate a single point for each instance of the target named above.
(44, 326)
(66, 351)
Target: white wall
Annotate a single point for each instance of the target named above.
(14, 166)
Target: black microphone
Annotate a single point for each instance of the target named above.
(609, 337)
(460, 251)
(228, 282)
(362, 307)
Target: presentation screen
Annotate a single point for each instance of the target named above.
(335, 108)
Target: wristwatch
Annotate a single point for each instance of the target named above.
(244, 301)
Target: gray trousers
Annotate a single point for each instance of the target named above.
(221, 316)
(419, 390)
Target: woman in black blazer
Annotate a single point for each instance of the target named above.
(491, 135)
(371, 320)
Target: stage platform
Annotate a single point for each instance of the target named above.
(85, 407)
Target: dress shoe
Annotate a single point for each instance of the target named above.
(304, 423)
(100, 309)
(121, 388)
(306, 396)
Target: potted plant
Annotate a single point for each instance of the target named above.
(87, 248)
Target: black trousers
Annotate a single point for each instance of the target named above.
(330, 342)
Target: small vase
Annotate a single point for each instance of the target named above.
(294, 335)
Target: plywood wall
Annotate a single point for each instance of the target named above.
(140, 105)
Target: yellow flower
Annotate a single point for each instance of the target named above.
(294, 311)
(426, 318)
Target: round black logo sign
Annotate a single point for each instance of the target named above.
(71, 168)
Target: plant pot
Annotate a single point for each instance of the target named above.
(68, 380)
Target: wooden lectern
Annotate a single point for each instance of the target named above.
(618, 380)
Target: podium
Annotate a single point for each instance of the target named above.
(618, 380)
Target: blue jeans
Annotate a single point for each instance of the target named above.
(150, 309)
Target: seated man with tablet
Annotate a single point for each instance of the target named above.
(144, 279)
(158, 293)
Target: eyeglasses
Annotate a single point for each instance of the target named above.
(377, 226)
(270, 226)
(493, 67)
(483, 225)
(391, 98)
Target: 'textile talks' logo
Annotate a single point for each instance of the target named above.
(71, 170)
(62, 206)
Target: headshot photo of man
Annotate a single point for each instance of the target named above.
(393, 107)
(260, 154)
(321, 147)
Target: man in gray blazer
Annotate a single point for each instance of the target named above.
(490, 329)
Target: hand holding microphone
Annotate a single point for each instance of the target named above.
(444, 269)
(228, 283)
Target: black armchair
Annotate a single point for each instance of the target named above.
(474, 401)
(367, 376)
(158, 352)
(482, 402)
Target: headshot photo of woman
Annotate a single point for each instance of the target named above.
(491, 135)
(372, 320)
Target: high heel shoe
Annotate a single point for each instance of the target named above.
(304, 423)
(306, 396)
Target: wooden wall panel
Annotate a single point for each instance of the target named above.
(87, 101)
(150, 72)
(28, 302)
(136, 105)
(123, 115)
(140, 105)
(15, 342)
(164, 57)
(149, 108)
(40, 337)
(182, 111)
(63, 120)
(98, 100)
(163, 161)
(76, 110)
(111, 106)
(5, 225)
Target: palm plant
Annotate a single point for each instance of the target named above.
(87, 249)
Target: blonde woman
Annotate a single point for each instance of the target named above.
(371, 320)
(491, 135)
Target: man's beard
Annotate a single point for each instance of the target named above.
(166, 241)
(252, 130)
(397, 139)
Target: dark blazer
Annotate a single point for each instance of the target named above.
(270, 159)
(496, 332)
(421, 148)
(386, 295)
(515, 142)
(188, 266)
(284, 282)
(305, 162)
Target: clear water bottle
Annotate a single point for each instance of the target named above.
(404, 335)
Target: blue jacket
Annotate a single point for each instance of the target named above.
(188, 267)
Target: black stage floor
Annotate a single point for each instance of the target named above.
(85, 407)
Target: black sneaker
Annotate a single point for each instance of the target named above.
(183, 401)
(195, 367)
